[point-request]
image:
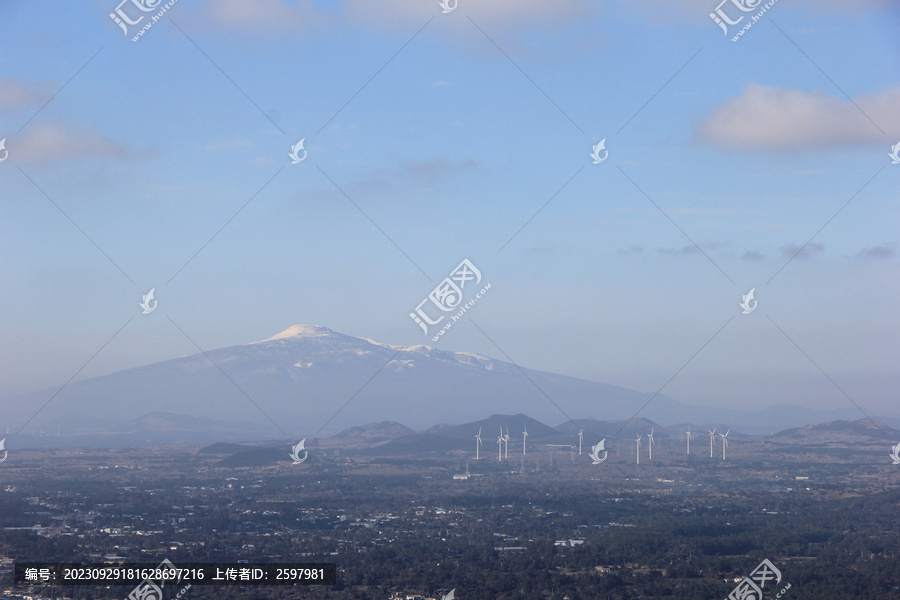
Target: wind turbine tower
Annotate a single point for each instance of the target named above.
(500, 446)
(650, 445)
(524, 435)
(712, 440)
(724, 437)
(477, 443)
(638, 440)
(688, 441)
(506, 441)
(580, 439)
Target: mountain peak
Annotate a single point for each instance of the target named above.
(300, 331)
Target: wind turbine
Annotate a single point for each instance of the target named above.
(724, 437)
(524, 435)
(638, 440)
(506, 439)
(712, 440)
(500, 445)
(580, 439)
(650, 437)
(477, 443)
(688, 441)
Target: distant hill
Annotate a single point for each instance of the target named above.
(370, 434)
(835, 430)
(447, 438)
(417, 444)
(491, 427)
(224, 448)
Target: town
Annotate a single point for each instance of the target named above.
(420, 526)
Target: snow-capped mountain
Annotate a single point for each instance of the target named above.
(313, 381)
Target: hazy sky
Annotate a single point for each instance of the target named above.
(435, 137)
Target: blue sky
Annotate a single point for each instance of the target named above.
(725, 158)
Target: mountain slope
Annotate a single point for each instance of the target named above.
(309, 377)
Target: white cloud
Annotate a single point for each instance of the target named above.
(491, 13)
(16, 94)
(684, 250)
(49, 141)
(284, 16)
(273, 16)
(806, 251)
(845, 5)
(264, 15)
(883, 251)
(409, 174)
(767, 118)
(662, 11)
